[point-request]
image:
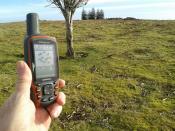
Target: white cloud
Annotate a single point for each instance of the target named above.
(166, 5)
(150, 5)
(112, 8)
(101, 1)
(18, 13)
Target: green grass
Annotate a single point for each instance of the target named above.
(133, 87)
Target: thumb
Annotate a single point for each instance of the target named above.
(24, 78)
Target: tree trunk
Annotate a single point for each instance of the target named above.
(69, 36)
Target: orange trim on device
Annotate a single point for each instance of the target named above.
(33, 87)
(42, 36)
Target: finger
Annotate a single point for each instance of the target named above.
(24, 78)
(42, 117)
(61, 98)
(54, 110)
(60, 83)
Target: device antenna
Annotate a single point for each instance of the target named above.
(32, 24)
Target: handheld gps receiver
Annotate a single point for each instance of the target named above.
(40, 53)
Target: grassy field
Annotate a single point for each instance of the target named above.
(123, 76)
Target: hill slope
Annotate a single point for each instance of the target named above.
(123, 77)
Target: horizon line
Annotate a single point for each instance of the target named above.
(114, 18)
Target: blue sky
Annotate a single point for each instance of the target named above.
(16, 10)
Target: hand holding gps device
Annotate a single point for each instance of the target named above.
(40, 53)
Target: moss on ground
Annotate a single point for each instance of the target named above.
(123, 76)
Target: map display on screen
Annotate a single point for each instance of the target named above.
(44, 60)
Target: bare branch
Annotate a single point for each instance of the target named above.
(69, 4)
(80, 3)
(68, 8)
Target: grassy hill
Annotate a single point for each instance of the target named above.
(123, 76)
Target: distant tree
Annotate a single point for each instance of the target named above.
(92, 14)
(68, 8)
(100, 14)
(84, 15)
(130, 18)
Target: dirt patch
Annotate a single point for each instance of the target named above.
(81, 54)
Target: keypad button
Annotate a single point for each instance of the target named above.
(38, 84)
(39, 96)
(56, 87)
(44, 100)
(48, 89)
(51, 98)
(38, 89)
(55, 93)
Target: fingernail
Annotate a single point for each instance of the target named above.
(20, 67)
(55, 114)
(57, 111)
(61, 99)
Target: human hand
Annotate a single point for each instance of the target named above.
(19, 112)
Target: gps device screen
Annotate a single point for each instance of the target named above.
(44, 60)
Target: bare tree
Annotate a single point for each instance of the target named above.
(68, 8)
